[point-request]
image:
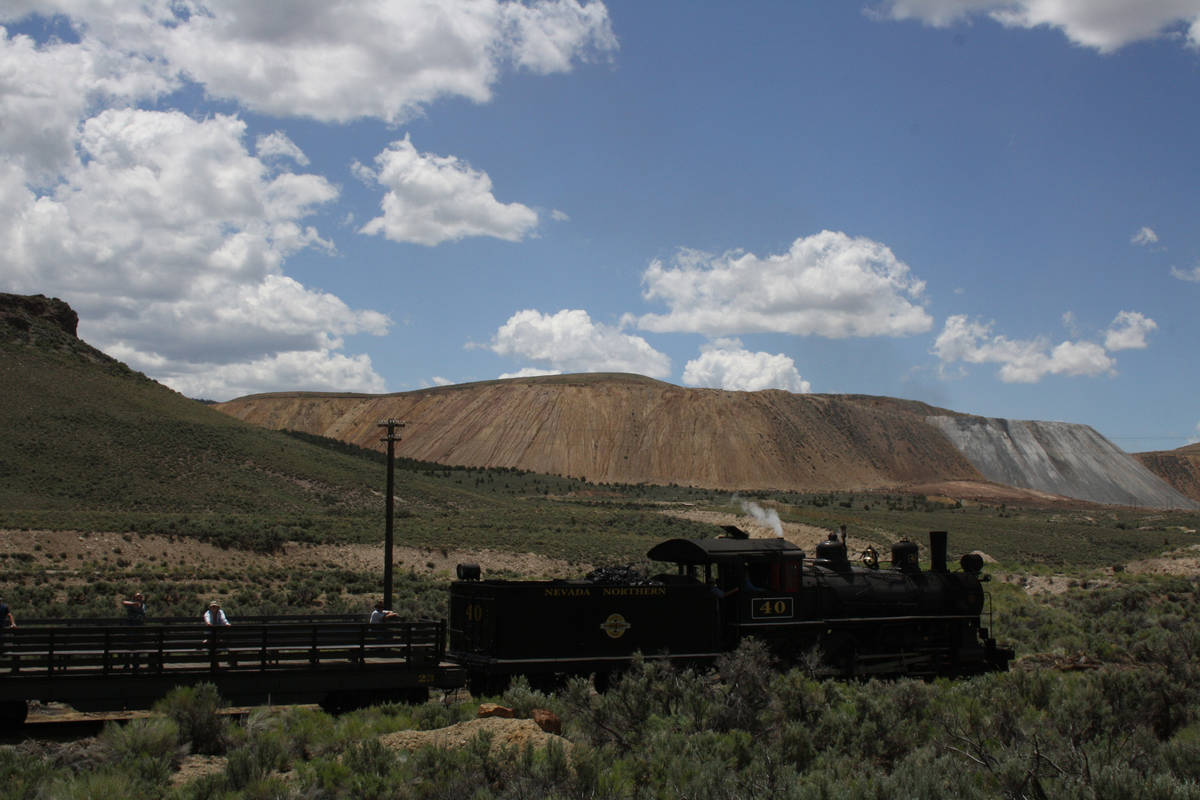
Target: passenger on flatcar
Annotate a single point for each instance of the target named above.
(6, 622)
(381, 614)
(135, 609)
(214, 616)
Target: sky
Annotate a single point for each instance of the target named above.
(987, 205)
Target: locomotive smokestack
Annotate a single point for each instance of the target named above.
(937, 551)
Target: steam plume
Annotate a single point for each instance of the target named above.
(766, 516)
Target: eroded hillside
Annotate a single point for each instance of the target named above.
(617, 428)
(630, 429)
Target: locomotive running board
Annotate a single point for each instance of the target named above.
(843, 621)
(466, 660)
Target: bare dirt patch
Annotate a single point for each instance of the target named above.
(505, 733)
(1184, 561)
(987, 493)
(193, 767)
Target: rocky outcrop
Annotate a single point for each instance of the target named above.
(19, 313)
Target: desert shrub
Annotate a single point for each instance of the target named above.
(371, 766)
(430, 716)
(146, 748)
(196, 712)
(256, 757)
(309, 732)
(211, 786)
(644, 695)
(477, 771)
(746, 676)
(157, 737)
(22, 775)
(107, 782)
(523, 699)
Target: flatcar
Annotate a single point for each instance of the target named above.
(835, 616)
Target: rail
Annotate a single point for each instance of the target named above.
(63, 651)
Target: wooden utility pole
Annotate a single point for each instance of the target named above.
(391, 439)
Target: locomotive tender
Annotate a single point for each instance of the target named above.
(835, 617)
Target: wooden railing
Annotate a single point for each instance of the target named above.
(162, 648)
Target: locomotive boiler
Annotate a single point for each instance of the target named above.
(833, 616)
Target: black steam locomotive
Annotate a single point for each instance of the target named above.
(835, 617)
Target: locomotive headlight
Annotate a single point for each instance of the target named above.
(468, 572)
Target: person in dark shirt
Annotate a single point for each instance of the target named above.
(6, 622)
(135, 609)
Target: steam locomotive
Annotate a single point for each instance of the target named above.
(835, 617)
(827, 614)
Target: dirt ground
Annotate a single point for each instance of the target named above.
(506, 733)
(71, 549)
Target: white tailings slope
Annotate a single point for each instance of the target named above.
(1058, 457)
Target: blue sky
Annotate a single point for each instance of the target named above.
(987, 205)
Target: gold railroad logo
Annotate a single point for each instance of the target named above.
(615, 626)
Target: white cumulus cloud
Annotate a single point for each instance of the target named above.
(49, 88)
(726, 364)
(347, 60)
(1027, 361)
(1129, 331)
(569, 341)
(277, 145)
(1105, 25)
(316, 370)
(168, 238)
(530, 372)
(829, 284)
(432, 199)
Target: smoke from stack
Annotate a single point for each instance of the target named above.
(765, 516)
